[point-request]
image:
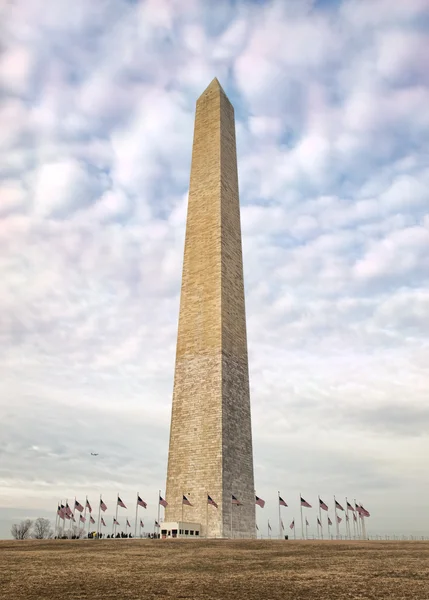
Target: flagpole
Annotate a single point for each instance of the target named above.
(302, 522)
(56, 519)
(84, 516)
(336, 518)
(364, 536)
(347, 520)
(363, 528)
(99, 517)
(65, 512)
(320, 518)
(137, 509)
(207, 514)
(61, 528)
(59, 520)
(116, 518)
(231, 518)
(280, 518)
(74, 510)
(357, 522)
(159, 508)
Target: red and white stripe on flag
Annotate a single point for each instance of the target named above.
(141, 502)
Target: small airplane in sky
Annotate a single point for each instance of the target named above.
(94, 454)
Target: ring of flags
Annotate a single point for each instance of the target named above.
(64, 512)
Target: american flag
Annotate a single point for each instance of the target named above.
(88, 506)
(292, 525)
(66, 516)
(339, 519)
(91, 520)
(349, 506)
(68, 510)
(306, 522)
(82, 519)
(354, 517)
(329, 521)
(156, 524)
(141, 502)
(72, 518)
(282, 502)
(259, 502)
(141, 523)
(186, 501)
(115, 522)
(120, 503)
(163, 502)
(78, 506)
(318, 522)
(322, 505)
(338, 505)
(305, 503)
(211, 501)
(128, 523)
(364, 512)
(102, 522)
(103, 506)
(235, 501)
(269, 526)
(347, 517)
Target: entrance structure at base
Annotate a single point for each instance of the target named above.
(180, 530)
(210, 451)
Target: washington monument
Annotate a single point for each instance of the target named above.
(210, 450)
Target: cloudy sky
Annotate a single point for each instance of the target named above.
(96, 121)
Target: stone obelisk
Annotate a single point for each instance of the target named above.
(211, 438)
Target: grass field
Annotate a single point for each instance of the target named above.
(203, 570)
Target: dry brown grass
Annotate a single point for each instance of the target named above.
(208, 570)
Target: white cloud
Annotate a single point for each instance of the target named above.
(65, 185)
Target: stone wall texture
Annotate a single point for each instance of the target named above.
(210, 437)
